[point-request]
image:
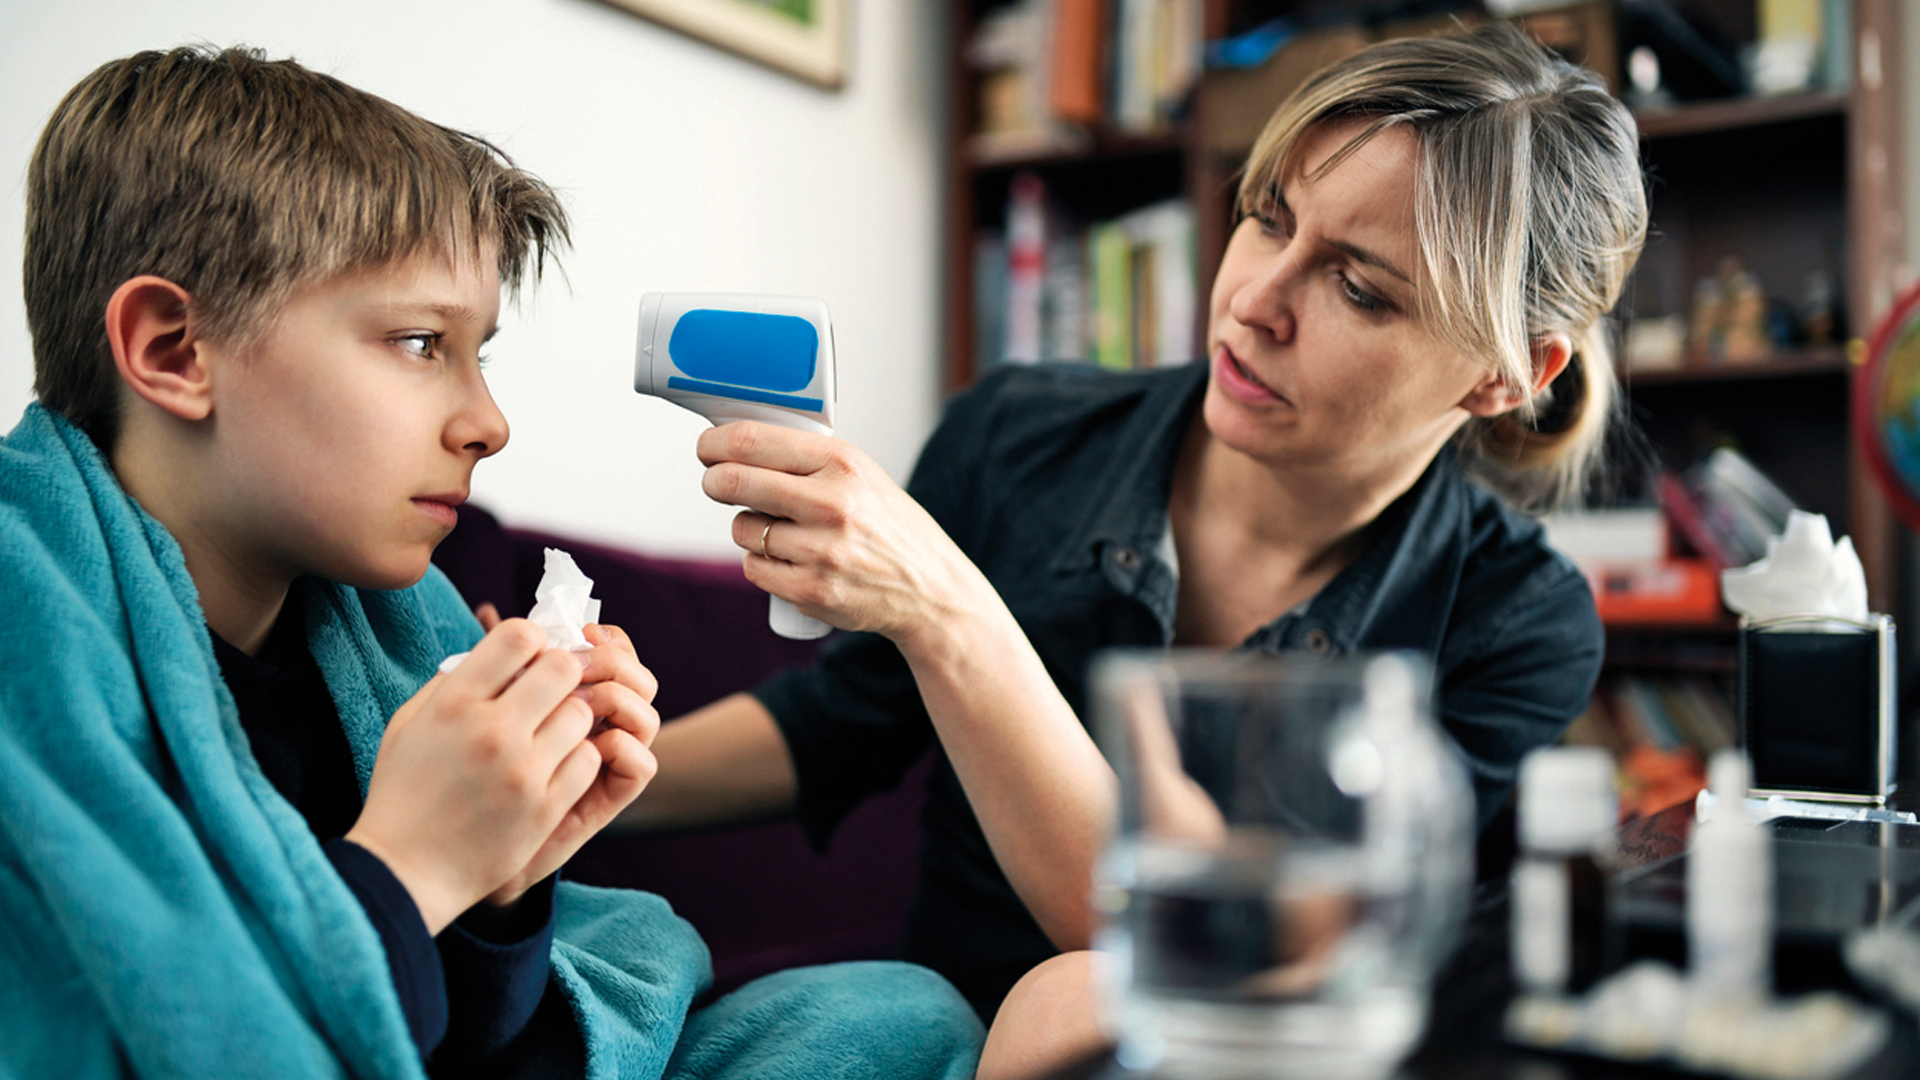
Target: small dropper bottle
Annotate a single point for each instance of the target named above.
(1566, 815)
(1730, 890)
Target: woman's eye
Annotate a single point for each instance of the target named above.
(421, 345)
(1358, 297)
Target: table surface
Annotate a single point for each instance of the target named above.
(1463, 1035)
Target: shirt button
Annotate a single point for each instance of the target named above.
(1126, 558)
(1318, 643)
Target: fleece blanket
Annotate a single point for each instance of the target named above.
(163, 912)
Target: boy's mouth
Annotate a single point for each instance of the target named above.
(444, 509)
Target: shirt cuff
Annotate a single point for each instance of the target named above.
(496, 965)
(418, 977)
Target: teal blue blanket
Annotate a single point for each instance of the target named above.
(163, 912)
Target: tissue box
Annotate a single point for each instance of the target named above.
(1816, 707)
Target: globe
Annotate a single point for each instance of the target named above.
(1886, 407)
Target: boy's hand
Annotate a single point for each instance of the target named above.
(620, 691)
(478, 769)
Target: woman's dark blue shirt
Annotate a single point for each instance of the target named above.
(1055, 481)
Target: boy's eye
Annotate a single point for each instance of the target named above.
(423, 345)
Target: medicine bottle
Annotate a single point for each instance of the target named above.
(1730, 890)
(1566, 816)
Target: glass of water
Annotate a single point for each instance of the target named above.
(1293, 861)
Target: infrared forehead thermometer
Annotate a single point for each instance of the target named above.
(742, 356)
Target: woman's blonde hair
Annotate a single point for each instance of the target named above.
(1531, 209)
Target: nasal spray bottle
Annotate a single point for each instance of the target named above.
(1730, 891)
(1566, 814)
(742, 356)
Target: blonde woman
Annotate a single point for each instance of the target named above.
(1410, 317)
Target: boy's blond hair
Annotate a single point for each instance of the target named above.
(241, 180)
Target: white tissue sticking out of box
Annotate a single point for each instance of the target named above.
(1805, 573)
(562, 606)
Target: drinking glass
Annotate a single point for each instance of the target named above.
(1293, 860)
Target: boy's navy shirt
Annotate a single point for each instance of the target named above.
(1055, 480)
(482, 978)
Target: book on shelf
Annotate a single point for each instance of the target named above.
(1157, 55)
(1725, 508)
(1063, 292)
(1672, 591)
(1627, 557)
(1048, 71)
(1118, 292)
(1110, 267)
(1026, 269)
(989, 279)
(1078, 86)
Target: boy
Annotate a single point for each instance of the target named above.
(245, 829)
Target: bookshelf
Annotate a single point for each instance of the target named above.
(1791, 187)
(1097, 171)
(1092, 170)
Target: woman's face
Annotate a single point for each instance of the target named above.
(1318, 359)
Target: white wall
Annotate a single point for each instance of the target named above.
(685, 168)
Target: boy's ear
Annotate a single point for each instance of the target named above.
(1550, 354)
(157, 354)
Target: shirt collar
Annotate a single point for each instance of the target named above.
(1410, 568)
(1123, 535)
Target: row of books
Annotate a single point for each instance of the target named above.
(1118, 292)
(1666, 711)
(1048, 71)
(1661, 729)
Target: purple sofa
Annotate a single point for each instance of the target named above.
(759, 894)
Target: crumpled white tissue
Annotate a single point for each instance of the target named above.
(562, 606)
(1805, 573)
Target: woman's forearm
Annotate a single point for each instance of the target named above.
(1039, 786)
(721, 764)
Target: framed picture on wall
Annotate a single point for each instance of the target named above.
(803, 37)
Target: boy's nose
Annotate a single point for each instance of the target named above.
(479, 426)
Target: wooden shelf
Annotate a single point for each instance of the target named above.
(1732, 113)
(1042, 149)
(1724, 626)
(1676, 648)
(1785, 365)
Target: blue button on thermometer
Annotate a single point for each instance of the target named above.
(742, 356)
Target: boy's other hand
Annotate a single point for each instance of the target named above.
(476, 772)
(620, 691)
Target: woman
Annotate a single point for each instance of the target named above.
(1432, 232)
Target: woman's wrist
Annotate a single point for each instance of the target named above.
(955, 625)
